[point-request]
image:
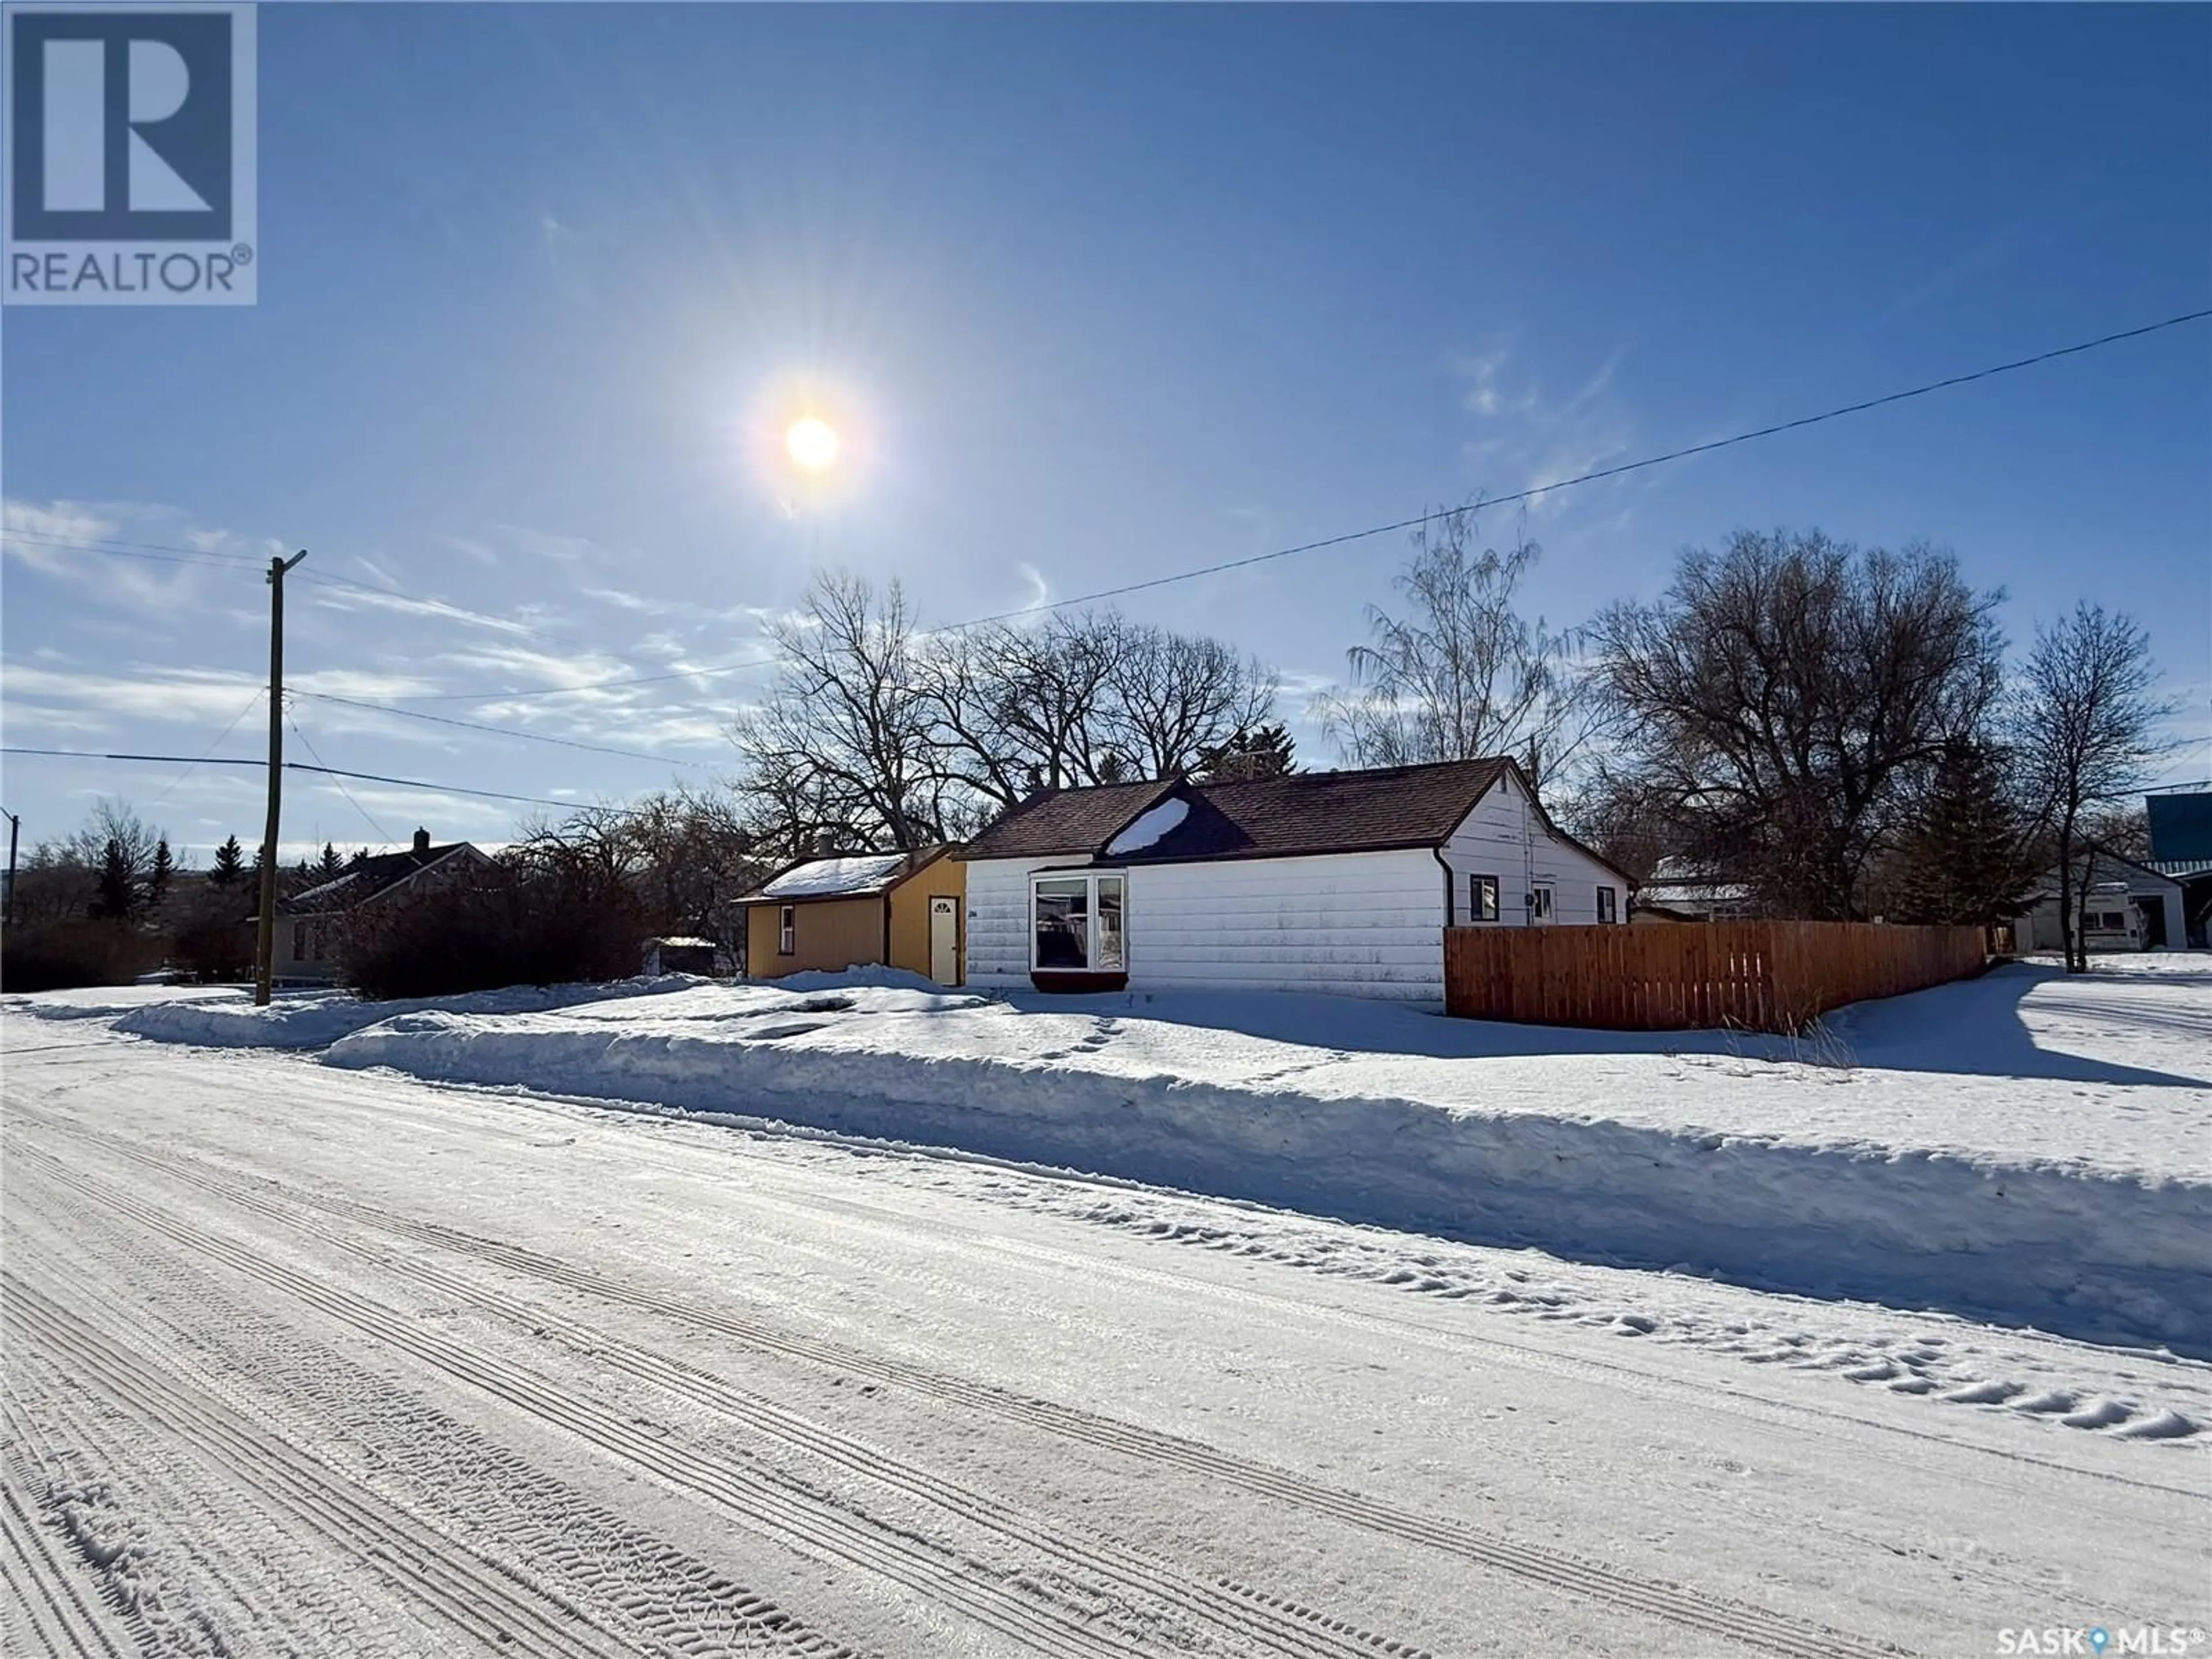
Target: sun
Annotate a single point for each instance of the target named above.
(811, 443)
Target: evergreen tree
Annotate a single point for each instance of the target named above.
(165, 867)
(1966, 857)
(116, 895)
(229, 863)
(331, 867)
(359, 857)
(1259, 752)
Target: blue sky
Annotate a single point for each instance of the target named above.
(1092, 295)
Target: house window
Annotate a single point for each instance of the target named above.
(1482, 898)
(1077, 924)
(1605, 903)
(2110, 921)
(787, 930)
(300, 942)
(1539, 904)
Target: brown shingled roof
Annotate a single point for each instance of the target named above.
(1299, 812)
(1064, 821)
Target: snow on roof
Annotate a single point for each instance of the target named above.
(323, 890)
(834, 878)
(683, 943)
(1148, 826)
(1714, 892)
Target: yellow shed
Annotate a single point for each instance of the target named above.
(900, 910)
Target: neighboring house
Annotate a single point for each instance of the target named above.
(311, 924)
(1678, 891)
(1339, 882)
(2181, 848)
(2119, 905)
(900, 910)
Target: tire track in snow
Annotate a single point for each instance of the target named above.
(1020, 1611)
(1255, 1618)
(1898, 1372)
(677, 1603)
(895, 1225)
(181, 1550)
(478, 1601)
(1718, 1616)
(41, 1589)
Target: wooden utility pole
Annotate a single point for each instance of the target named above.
(264, 942)
(14, 823)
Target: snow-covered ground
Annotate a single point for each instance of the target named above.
(303, 1359)
(2025, 1147)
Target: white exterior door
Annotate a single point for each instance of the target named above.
(945, 940)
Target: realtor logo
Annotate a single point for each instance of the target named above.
(130, 155)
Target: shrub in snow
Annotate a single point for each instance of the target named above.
(512, 924)
(62, 956)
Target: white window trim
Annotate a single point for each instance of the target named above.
(1091, 877)
(787, 930)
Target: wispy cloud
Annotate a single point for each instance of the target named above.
(1526, 436)
(546, 544)
(171, 696)
(407, 604)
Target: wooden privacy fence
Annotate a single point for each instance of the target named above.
(1755, 975)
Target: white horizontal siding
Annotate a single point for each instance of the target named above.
(998, 921)
(1366, 924)
(1503, 836)
(1354, 924)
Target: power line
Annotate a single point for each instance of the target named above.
(301, 766)
(250, 704)
(1603, 472)
(217, 559)
(153, 549)
(300, 731)
(170, 555)
(499, 731)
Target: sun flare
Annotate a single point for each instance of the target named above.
(811, 443)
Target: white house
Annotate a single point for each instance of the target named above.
(1339, 882)
(2119, 905)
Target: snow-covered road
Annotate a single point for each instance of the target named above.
(302, 1360)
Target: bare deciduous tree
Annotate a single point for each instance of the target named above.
(1460, 673)
(2086, 723)
(1781, 695)
(847, 728)
(1175, 697)
(881, 733)
(1019, 709)
(110, 820)
(687, 854)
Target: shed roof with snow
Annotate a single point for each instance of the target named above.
(845, 875)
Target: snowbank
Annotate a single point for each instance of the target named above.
(106, 1001)
(315, 1020)
(2027, 1147)
(1998, 1196)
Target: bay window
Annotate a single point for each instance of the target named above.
(1076, 923)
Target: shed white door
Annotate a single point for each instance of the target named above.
(945, 940)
